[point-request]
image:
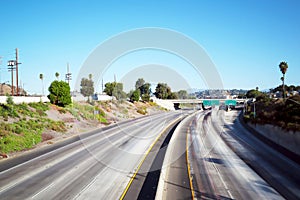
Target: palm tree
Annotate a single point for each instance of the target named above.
(90, 76)
(283, 68)
(57, 75)
(42, 79)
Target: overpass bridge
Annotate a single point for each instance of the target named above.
(173, 104)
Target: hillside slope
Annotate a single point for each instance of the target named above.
(27, 126)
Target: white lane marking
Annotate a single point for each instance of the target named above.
(51, 163)
(46, 188)
(210, 151)
(82, 169)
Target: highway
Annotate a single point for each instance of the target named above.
(218, 173)
(174, 155)
(95, 167)
(224, 161)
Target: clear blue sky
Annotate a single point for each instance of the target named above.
(245, 39)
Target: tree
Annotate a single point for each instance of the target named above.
(42, 79)
(87, 87)
(173, 95)
(182, 94)
(135, 96)
(162, 91)
(57, 75)
(109, 87)
(145, 91)
(283, 66)
(253, 93)
(139, 83)
(60, 93)
(118, 91)
(115, 89)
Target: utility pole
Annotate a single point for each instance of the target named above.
(11, 64)
(102, 86)
(1, 77)
(17, 72)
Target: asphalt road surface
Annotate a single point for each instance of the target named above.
(228, 162)
(95, 167)
(175, 155)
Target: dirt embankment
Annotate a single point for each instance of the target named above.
(72, 120)
(82, 117)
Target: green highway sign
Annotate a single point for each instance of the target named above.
(230, 102)
(211, 102)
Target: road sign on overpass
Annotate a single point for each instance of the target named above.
(212, 102)
(230, 102)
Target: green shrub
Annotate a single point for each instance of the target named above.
(102, 119)
(13, 142)
(60, 93)
(142, 111)
(9, 100)
(39, 106)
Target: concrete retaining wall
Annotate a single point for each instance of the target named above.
(288, 139)
(165, 104)
(20, 99)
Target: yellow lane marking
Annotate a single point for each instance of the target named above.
(188, 165)
(144, 158)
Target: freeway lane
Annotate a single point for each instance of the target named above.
(229, 162)
(199, 164)
(217, 172)
(278, 170)
(209, 169)
(174, 182)
(95, 167)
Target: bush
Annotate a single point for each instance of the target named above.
(135, 96)
(40, 106)
(9, 110)
(14, 142)
(284, 114)
(9, 100)
(60, 93)
(101, 119)
(142, 111)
